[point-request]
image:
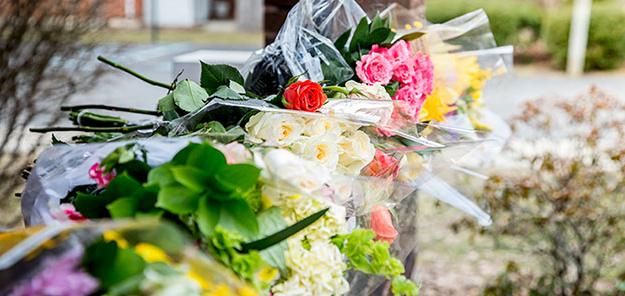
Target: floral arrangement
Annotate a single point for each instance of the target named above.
(114, 259)
(275, 219)
(292, 177)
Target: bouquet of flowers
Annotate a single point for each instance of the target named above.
(302, 170)
(113, 258)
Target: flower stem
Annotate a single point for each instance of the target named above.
(135, 74)
(111, 108)
(335, 88)
(123, 129)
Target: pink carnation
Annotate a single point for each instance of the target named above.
(410, 98)
(99, 176)
(425, 69)
(68, 212)
(399, 52)
(374, 67)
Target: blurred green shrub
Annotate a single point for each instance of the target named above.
(507, 18)
(606, 40)
(562, 207)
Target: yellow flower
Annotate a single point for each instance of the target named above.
(111, 235)
(435, 108)
(247, 291)
(222, 290)
(204, 283)
(151, 253)
(268, 274)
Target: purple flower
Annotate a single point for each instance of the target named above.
(60, 277)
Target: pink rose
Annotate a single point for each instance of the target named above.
(409, 100)
(382, 224)
(404, 71)
(399, 52)
(374, 67)
(99, 176)
(381, 50)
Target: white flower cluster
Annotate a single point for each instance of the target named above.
(317, 270)
(297, 186)
(337, 146)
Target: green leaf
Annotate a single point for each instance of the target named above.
(123, 207)
(122, 185)
(214, 76)
(360, 34)
(410, 36)
(237, 176)
(161, 176)
(189, 96)
(277, 237)
(91, 206)
(183, 155)
(271, 221)
(177, 199)
(379, 36)
(237, 216)
(206, 158)
(208, 213)
(342, 40)
(167, 106)
(377, 23)
(192, 178)
(110, 264)
(238, 88)
(146, 199)
(226, 93)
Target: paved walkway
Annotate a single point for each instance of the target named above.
(505, 95)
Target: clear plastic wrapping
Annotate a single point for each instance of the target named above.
(42, 255)
(304, 46)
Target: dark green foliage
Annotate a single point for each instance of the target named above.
(606, 40)
(507, 18)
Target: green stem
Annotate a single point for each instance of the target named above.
(338, 89)
(111, 108)
(123, 129)
(135, 74)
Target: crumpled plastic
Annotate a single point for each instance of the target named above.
(24, 253)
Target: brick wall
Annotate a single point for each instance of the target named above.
(116, 8)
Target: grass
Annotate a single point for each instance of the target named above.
(197, 36)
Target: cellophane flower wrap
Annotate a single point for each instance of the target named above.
(299, 174)
(145, 257)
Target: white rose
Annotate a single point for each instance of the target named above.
(284, 170)
(323, 150)
(320, 126)
(275, 129)
(356, 151)
(373, 92)
(410, 167)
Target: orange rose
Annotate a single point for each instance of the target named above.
(382, 224)
(304, 96)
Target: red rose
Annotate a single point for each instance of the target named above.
(304, 95)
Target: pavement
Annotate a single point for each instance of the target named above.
(504, 95)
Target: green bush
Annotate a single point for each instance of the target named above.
(507, 18)
(606, 40)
